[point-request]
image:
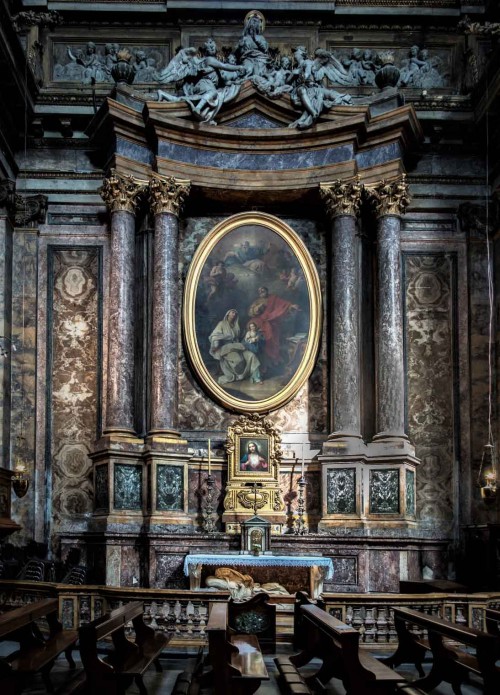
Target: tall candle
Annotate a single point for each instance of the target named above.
(302, 467)
(209, 460)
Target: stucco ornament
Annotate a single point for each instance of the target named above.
(205, 82)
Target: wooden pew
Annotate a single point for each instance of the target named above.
(493, 622)
(337, 646)
(256, 616)
(238, 666)
(449, 663)
(128, 660)
(36, 652)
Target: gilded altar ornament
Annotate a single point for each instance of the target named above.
(168, 194)
(122, 192)
(390, 197)
(254, 455)
(252, 313)
(342, 197)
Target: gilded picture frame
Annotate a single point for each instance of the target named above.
(252, 313)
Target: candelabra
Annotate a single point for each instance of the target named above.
(300, 526)
(209, 505)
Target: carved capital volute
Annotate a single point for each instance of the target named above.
(168, 194)
(122, 192)
(342, 197)
(390, 197)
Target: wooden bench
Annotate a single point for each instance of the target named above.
(449, 663)
(492, 617)
(256, 616)
(238, 666)
(337, 646)
(129, 660)
(37, 652)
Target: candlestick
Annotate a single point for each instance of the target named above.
(209, 460)
(302, 467)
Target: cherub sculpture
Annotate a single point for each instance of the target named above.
(203, 85)
(309, 94)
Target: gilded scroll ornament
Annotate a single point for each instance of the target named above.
(342, 197)
(390, 197)
(168, 194)
(122, 192)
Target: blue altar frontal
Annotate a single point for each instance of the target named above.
(320, 568)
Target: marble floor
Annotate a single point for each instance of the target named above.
(162, 683)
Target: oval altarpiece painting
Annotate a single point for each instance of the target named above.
(252, 313)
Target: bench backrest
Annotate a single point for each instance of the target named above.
(111, 622)
(343, 636)
(20, 617)
(493, 622)
(460, 633)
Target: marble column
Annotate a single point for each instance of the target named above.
(343, 202)
(122, 195)
(167, 196)
(390, 200)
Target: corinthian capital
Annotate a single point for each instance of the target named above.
(342, 197)
(390, 197)
(122, 192)
(167, 194)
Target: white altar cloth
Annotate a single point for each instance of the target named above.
(265, 560)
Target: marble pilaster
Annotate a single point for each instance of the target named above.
(121, 194)
(390, 200)
(167, 196)
(343, 202)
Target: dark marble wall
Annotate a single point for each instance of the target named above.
(23, 369)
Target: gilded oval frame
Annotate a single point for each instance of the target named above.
(310, 275)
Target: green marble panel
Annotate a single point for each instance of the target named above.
(384, 491)
(341, 491)
(128, 486)
(410, 493)
(169, 488)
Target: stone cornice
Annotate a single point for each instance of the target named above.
(342, 197)
(168, 194)
(389, 197)
(122, 192)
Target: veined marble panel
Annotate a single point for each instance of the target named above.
(73, 371)
(384, 491)
(23, 366)
(307, 411)
(341, 491)
(430, 351)
(169, 488)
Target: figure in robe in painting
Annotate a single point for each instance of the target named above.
(267, 311)
(235, 360)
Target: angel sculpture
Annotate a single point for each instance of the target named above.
(309, 94)
(203, 85)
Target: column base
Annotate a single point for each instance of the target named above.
(390, 444)
(119, 432)
(340, 444)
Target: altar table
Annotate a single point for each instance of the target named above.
(321, 568)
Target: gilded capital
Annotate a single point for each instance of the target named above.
(122, 192)
(390, 197)
(342, 197)
(167, 194)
